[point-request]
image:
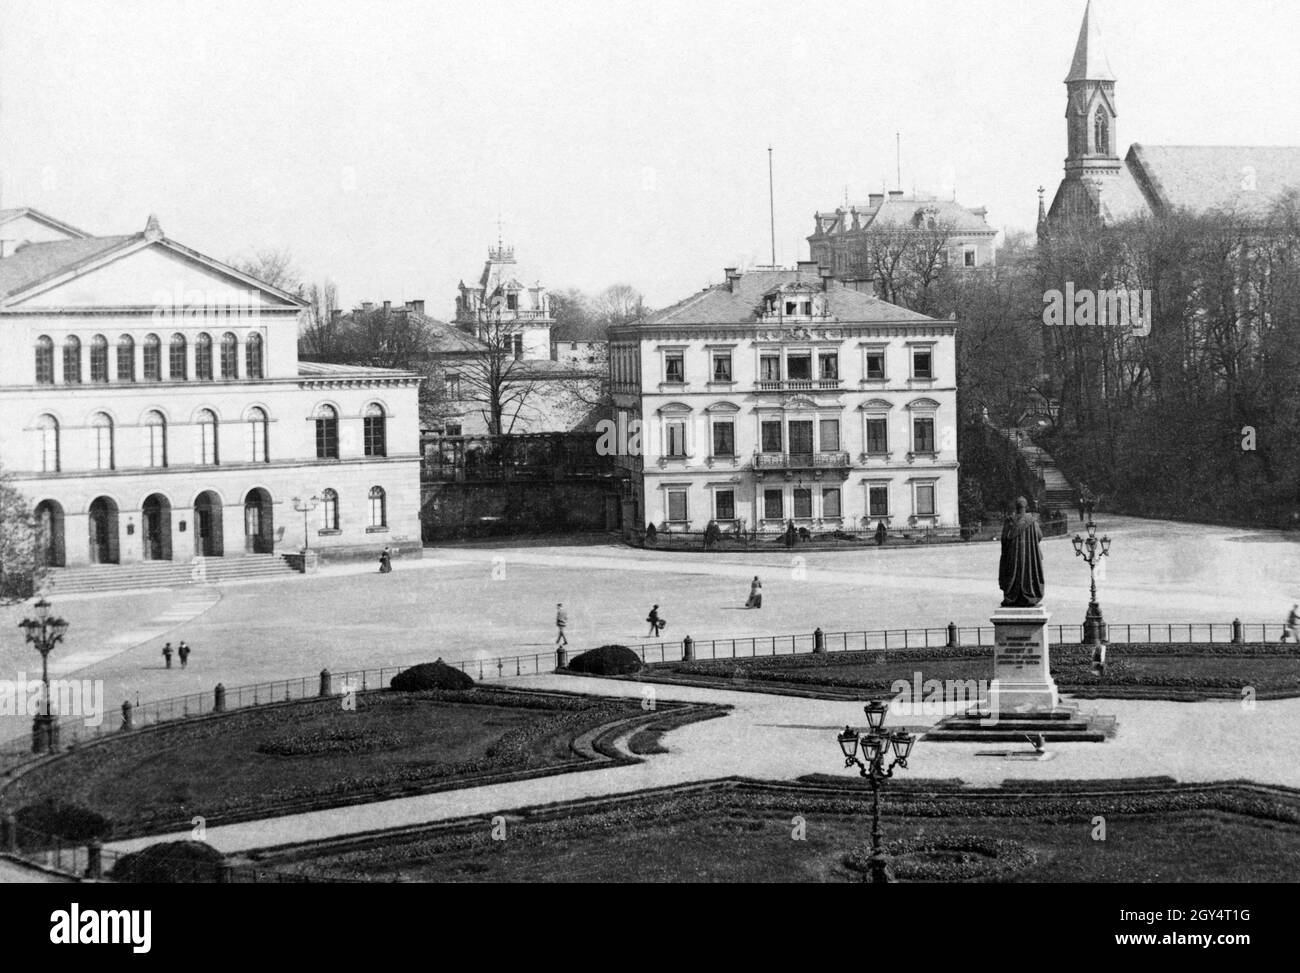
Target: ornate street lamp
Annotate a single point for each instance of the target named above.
(876, 744)
(1092, 549)
(44, 632)
(305, 507)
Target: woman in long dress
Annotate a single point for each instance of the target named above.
(755, 594)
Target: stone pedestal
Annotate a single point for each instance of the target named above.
(1022, 675)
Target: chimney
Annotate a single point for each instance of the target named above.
(808, 267)
(388, 306)
(895, 193)
(416, 306)
(367, 306)
(827, 276)
(335, 314)
(733, 276)
(875, 199)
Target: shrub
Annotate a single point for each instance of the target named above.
(69, 822)
(170, 862)
(608, 660)
(431, 675)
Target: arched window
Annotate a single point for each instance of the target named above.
(253, 356)
(203, 357)
(229, 355)
(329, 510)
(152, 358)
(101, 427)
(125, 358)
(376, 435)
(1101, 132)
(378, 507)
(99, 358)
(206, 453)
(156, 429)
(257, 435)
(72, 360)
(47, 428)
(176, 360)
(44, 360)
(327, 433)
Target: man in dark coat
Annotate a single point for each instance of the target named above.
(1020, 573)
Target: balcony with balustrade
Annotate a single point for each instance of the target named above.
(788, 464)
(798, 385)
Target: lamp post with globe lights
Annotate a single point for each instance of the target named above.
(876, 743)
(1092, 549)
(44, 632)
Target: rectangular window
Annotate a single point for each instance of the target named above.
(675, 432)
(831, 502)
(773, 505)
(327, 438)
(801, 437)
(517, 345)
(802, 502)
(925, 499)
(722, 366)
(452, 429)
(769, 368)
(72, 362)
(828, 366)
(512, 302)
(798, 367)
(674, 367)
(152, 362)
(203, 359)
(176, 361)
(877, 435)
(452, 383)
(922, 363)
(677, 505)
(830, 433)
(876, 364)
(157, 445)
(374, 433)
(878, 500)
(923, 434)
(771, 436)
(724, 505)
(724, 439)
(99, 363)
(969, 257)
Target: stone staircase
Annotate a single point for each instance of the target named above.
(165, 574)
(1058, 492)
(1065, 724)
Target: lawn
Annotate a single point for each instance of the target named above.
(317, 753)
(1180, 836)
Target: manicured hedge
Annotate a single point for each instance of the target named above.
(431, 675)
(70, 822)
(608, 660)
(170, 862)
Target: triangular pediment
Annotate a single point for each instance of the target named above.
(150, 273)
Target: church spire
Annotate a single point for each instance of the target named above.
(1089, 62)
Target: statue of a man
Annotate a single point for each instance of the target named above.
(1020, 573)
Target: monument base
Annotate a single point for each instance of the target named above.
(1022, 674)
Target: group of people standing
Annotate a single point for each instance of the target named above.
(182, 652)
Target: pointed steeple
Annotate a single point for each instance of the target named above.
(1089, 62)
(1044, 228)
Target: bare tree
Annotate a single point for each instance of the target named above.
(496, 376)
(620, 304)
(274, 266)
(319, 336)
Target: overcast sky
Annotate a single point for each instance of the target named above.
(620, 142)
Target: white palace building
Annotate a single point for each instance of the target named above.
(784, 395)
(155, 408)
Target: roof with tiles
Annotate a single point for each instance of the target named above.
(743, 302)
(1246, 179)
(33, 263)
(898, 210)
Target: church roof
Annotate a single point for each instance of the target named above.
(1244, 179)
(743, 303)
(1089, 62)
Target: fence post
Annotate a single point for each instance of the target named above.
(561, 658)
(95, 859)
(326, 683)
(128, 717)
(219, 698)
(819, 641)
(688, 649)
(1236, 632)
(952, 635)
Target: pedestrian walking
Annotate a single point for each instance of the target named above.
(1082, 507)
(881, 533)
(167, 654)
(755, 594)
(1292, 624)
(183, 653)
(656, 623)
(385, 561)
(561, 620)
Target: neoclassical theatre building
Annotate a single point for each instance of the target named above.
(784, 395)
(155, 409)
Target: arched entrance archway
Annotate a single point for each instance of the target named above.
(208, 540)
(103, 531)
(259, 525)
(49, 526)
(156, 512)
